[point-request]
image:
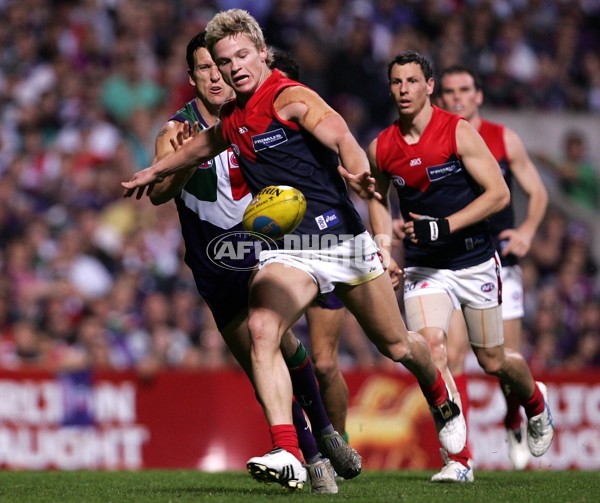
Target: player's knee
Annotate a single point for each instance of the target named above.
(436, 340)
(325, 368)
(490, 361)
(263, 330)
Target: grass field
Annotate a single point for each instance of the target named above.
(238, 487)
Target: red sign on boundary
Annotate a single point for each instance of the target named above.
(211, 421)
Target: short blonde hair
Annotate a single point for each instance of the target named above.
(233, 22)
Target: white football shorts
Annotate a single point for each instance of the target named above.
(431, 295)
(512, 293)
(354, 261)
(479, 286)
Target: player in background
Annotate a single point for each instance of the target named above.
(211, 199)
(461, 93)
(448, 184)
(286, 134)
(324, 317)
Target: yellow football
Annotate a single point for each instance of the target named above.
(275, 211)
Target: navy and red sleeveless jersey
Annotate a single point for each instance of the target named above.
(431, 180)
(272, 151)
(493, 135)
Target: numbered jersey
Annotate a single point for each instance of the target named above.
(431, 180)
(210, 205)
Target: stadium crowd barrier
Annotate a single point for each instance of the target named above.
(210, 421)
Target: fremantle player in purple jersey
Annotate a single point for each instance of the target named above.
(285, 133)
(448, 184)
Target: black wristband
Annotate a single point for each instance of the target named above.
(429, 230)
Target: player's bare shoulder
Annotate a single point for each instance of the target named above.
(170, 127)
(168, 130)
(303, 105)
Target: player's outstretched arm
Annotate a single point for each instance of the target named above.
(202, 147)
(172, 136)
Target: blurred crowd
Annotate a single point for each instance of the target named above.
(90, 279)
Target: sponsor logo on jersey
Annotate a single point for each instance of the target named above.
(398, 181)
(238, 251)
(269, 139)
(488, 287)
(415, 162)
(242, 130)
(441, 171)
(472, 242)
(327, 220)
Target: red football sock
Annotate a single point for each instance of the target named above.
(284, 436)
(535, 404)
(436, 394)
(463, 457)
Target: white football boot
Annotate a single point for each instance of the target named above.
(540, 428)
(450, 425)
(278, 466)
(453, 471)
(518, 451)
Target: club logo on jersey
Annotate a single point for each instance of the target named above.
(441, 171)
(398, 181)
(238, 251)
(488, 287)
(327, 220)
(233, 160)
(236, 149)
(269, 139)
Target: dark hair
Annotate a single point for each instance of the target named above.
(197, 41)
(454, 69)
(285, 62)
(406, 57)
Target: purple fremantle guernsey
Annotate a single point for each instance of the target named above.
(210, 207)
(272, 151)
(431, 180)
(493, 135)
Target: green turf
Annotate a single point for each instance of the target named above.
(234, 487)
